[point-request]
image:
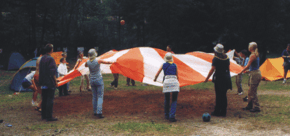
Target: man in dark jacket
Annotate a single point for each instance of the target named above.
(286, 64)
(47, 81)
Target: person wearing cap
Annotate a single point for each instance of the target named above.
(170, 85)
(96, 81)
(255, 78)
(221, 78)
(81, 57)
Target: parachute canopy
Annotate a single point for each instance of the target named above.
(142, 64)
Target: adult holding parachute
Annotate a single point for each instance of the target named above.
(96, 81)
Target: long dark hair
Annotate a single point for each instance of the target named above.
(220, 55)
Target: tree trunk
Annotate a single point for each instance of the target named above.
(43, 25)
(33, 23)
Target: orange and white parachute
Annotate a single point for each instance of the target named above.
(142, 63)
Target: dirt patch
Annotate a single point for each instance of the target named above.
(191, 103)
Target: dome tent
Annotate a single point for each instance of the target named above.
(26, 68)
(16, 60)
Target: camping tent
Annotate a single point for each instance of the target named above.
(272, 69)
(16, 83)
(16, 60)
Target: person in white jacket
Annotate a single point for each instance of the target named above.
(62, 70)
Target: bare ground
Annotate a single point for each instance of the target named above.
(76, 116)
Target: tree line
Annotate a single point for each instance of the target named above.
(187, 25)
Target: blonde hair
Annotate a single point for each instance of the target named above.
(254, 46)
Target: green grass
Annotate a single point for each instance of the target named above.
(134, 127)
(275, 109)
(42, 126)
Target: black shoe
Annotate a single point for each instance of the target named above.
(245, 99)
(255, 110)
(172, 120)
(51, 119)
(223, 114)
(100, 116)
(166, 116)
(215, 114)
(1, 121)
(247, 108)
(38, 109)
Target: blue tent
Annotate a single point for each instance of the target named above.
(16, 60)
(26, 68)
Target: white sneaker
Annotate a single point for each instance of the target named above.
(34, 103)
(284, 81)
(241, 93)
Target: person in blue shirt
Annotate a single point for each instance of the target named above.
(255, 78)
(286, 56)
(170, 85)
(245, 64)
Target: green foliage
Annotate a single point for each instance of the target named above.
(187, 25)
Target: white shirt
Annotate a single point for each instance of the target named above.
(62, 69)
(29, 77)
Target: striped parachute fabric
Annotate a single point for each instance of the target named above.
(142, 63)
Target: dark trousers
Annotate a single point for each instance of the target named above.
(47, 103)
(221, 100)
(172, 112)
(132, 81)
(115, 82)
(63, 90)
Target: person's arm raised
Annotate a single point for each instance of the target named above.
(100, 61)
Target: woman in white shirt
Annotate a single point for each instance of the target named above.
(62, 70)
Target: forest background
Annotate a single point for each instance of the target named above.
(187, 25)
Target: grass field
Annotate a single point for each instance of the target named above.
(274, 119)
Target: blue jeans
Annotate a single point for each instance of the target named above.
(67, 85)
(98, 94)
(172, 112)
